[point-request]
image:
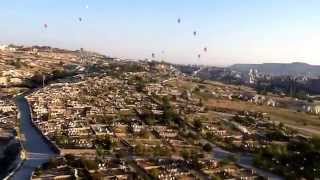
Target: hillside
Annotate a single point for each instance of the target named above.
(23, 67)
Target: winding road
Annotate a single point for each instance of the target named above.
(245, 160)
(37, 150)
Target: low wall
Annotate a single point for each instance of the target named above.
(78, 152)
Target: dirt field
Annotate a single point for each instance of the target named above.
(305, 123)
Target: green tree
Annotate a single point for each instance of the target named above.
(207, 147)
(169, 116)
(139, 149)
(140, 86)
(155, 173)
(104, 143)
(185, 154)
(197, 124)
(90, 164)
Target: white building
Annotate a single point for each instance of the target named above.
(3, 47)
(313, 108)
(3, 81)
(272, 103)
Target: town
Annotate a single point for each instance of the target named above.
(107, 118)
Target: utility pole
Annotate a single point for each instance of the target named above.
(82, 56)
(43, 80)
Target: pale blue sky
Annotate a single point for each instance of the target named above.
(235, 31)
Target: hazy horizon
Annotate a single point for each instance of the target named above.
(233, 32)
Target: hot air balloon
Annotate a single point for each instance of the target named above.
(194, 33)
(179, 20)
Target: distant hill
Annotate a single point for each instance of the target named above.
(278, 69)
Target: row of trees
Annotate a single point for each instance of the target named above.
(38, 78)
(156, 151)
(297, 159)
(17, 63)
(288, 85)
(169, 115)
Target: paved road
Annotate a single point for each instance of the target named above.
(38, 151)
(245, 160)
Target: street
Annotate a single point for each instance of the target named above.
(37, 150)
